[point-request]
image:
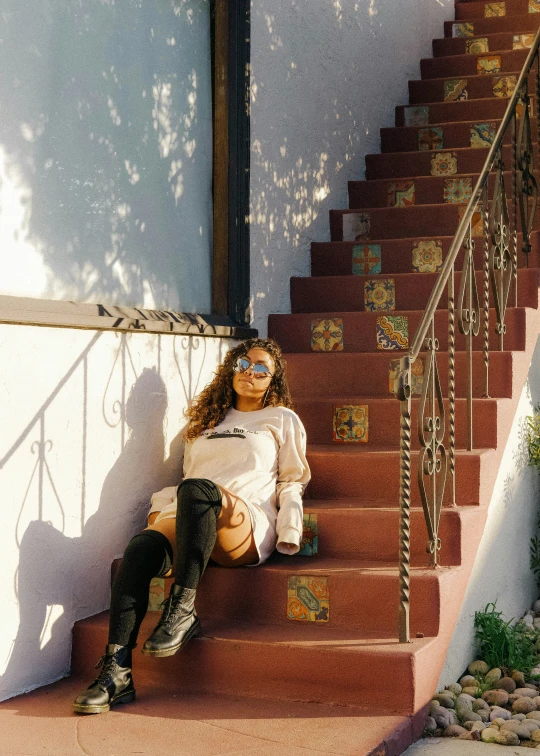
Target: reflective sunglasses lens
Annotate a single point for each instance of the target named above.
(261, 371)
(241, 365)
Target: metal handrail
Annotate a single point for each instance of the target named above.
(499, 270)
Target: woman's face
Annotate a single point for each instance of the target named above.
(245, 384)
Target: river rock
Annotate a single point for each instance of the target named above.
(453, 731)
(507, 684)
(442, 717)
(468, 715)
(498, 722)
(506, 737)
(512, 698)
(465, 699)
(454, 688)
(519, 678)
(471, 691)
(528, 619)
(489, 735)
(477, 726)
(535, 735)
(430, 726)
(468, 680)
(519, 717)
(478, 667)
(480, 704)
(472, 735)
(533, 715)
(530, 725)
(496, 697)
(521, 730)
(536, 606)
(523, 706)
(498, 712)
(526, 692)
(493, 676)
(446, 699)
(532, 686)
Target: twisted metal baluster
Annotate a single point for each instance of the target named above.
(485, 234)
(500, 259)
(452, 382)
(432, 462)
(469, 321)
(514, 203)
(404, 395)
(527, 186)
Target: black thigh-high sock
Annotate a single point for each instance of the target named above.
(147, 555)
(199, 506)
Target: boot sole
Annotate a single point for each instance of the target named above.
(121, 699)
(191, 633)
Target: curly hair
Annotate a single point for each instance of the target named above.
(212, 404)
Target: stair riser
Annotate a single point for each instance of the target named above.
(458, 46)
(335, 258)
(384, 417)
(346, 293)
(466, 65)
(454, 135)
(464, 110)
(293, 332)
(414, 164)
(478, 87)
(306, 673)
(522, 23)
(474, 10)
(368, 374)
(376, 480)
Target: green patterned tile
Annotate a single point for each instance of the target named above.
(308, 598)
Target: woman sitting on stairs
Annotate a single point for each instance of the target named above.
(241, 497)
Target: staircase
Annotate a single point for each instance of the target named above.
(321, 627)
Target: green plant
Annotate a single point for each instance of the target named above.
(503, 644)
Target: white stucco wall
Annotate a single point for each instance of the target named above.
(326, 75)
(106, 152)
(91, 426)
(501, 570)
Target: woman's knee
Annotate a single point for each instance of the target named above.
(197, 489)
(146, 544)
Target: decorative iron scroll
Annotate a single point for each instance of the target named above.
(488, 275)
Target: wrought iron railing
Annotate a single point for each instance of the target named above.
(495, 218)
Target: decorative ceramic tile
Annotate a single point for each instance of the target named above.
(156, 595)
(476, 226)
(522, 41)
(457, 191)
(417, 375)
(400, 194)
(327, 335)
(416, 115)
(356, 226)
(463, 29)
(534, 6)
(392, 332)
(309, 544)
(430, 139)
(308, 598)
(488, 64)
(444, 164)
(455, 89)
(477, 46)
(351, 423)
(493, 10)
(427, 256)
(483, 134)
(503, 86)
(379, 294)
(366, 259)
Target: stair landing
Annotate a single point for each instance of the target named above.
(41, 723)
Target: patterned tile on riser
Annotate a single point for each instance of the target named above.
(379, 294)
(308, 598)
(327, 335)
(309, 544)
(351, 423)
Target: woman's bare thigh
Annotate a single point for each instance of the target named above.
(235, 544)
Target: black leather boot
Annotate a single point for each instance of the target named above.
(112, 686)
(178, 623)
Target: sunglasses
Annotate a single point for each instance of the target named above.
(259, 370)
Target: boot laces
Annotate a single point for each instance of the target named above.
(172, 610)
(109, 667)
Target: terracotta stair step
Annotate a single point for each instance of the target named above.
(463, 161)
(474, 10)
(341, 521)
(362, 594)
(359, 329)
(411, 291)
(466, 65)
(448, 135)
(373, 476)
(297, 661)
(342, 372)
(335, 258)
(480, 111)
(458, 45)
(317, 414)
(521, 23)
(477, 87)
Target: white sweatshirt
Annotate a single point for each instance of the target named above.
(258, 456)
